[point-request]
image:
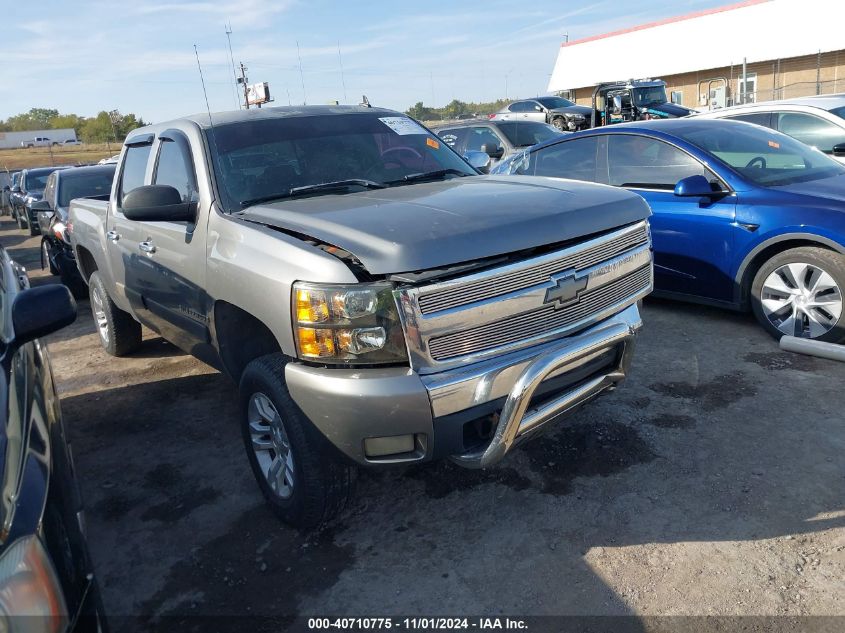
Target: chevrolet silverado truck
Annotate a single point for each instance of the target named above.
(376, 299)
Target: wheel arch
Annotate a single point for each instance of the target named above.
(85, 262)
(766, 250)
(241, 338)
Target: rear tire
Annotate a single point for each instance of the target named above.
(304, 483)
(799, 292)
(119, 333)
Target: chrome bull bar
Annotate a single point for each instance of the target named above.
(517, 423)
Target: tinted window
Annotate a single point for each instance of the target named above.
(134, 168)
(525, 133)
(84, 186)
(522, 106)
(812, 130)
(555, 102)
(758, 118)
(50, 188)
(574, 159)
(176, 169)
(35, 182)
(479, 136)
(761, 155)
(840, 112)
(453, 137)
(639, 161)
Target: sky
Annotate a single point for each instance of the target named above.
(86, 56)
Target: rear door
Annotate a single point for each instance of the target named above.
(168, 271)
(811, 130)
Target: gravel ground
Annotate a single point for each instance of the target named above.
(711, 483)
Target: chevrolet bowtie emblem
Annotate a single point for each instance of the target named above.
(565, 290)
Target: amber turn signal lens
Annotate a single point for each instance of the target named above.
(315, 343)
(311, 306)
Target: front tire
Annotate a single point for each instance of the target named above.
(46, 261)
(19, 219)
(299, 477)
(34, 228)
(799, 293)
(560, 124)
(119, 333)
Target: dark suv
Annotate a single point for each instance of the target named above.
(30, 190)
(497, 139)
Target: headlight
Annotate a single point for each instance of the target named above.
(29, 587)
(60, 231)
(352, 323)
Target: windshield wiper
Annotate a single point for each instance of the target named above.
(327, 187)
(428, 175)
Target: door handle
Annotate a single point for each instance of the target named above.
(113, 236)
(147, 247)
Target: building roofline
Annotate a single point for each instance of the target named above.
(678, 18)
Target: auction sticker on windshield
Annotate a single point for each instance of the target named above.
(402, 125)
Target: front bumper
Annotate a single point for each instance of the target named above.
(361, 411)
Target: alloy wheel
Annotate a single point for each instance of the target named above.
(802, 300)
(271, 445)
(100, 314)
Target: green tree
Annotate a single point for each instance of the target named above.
(97, 129)
(35, 119)
(65, 121)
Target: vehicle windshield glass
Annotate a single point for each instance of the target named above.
(645, 96)
(761, 155)
(35, 182)
(84, 186)
(840, 112)
(524, 134)
(268, 157)
(555, 102)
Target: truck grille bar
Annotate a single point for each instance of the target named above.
(540, 321)
(502, 284)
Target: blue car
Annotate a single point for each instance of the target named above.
(744, 217)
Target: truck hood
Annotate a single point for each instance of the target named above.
(431, 225)
(672, 109)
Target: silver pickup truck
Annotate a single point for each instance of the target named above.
(377, 300)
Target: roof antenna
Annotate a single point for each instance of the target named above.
(365, 102)
(202, 80)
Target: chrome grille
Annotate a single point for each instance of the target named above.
(541, 321)
(498, 285)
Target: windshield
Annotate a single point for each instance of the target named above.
(525, 134)
(267, 158)
(84, 186)
(646, 96)
(761, 155)
(555, 102)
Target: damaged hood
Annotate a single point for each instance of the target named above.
(430, 225)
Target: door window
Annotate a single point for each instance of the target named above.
(479, 136)
(522, 106)
(453, 137)
(811, 130)
(757, 118)
(574, 159)
(134, 168)
(176, 169)
(639, 161)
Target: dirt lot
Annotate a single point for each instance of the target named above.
(712, 482)
(22, 158)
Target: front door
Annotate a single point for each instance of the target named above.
(692, 237)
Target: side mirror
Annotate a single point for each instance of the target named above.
(839, 150)
(158, 203)
(40, 311)
(493, 150)
(693, 187)
(617, 104)
(41, 205)
(538, 108)
(16, 189)
(480, 160)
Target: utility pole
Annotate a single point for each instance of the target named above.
(242, 80)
